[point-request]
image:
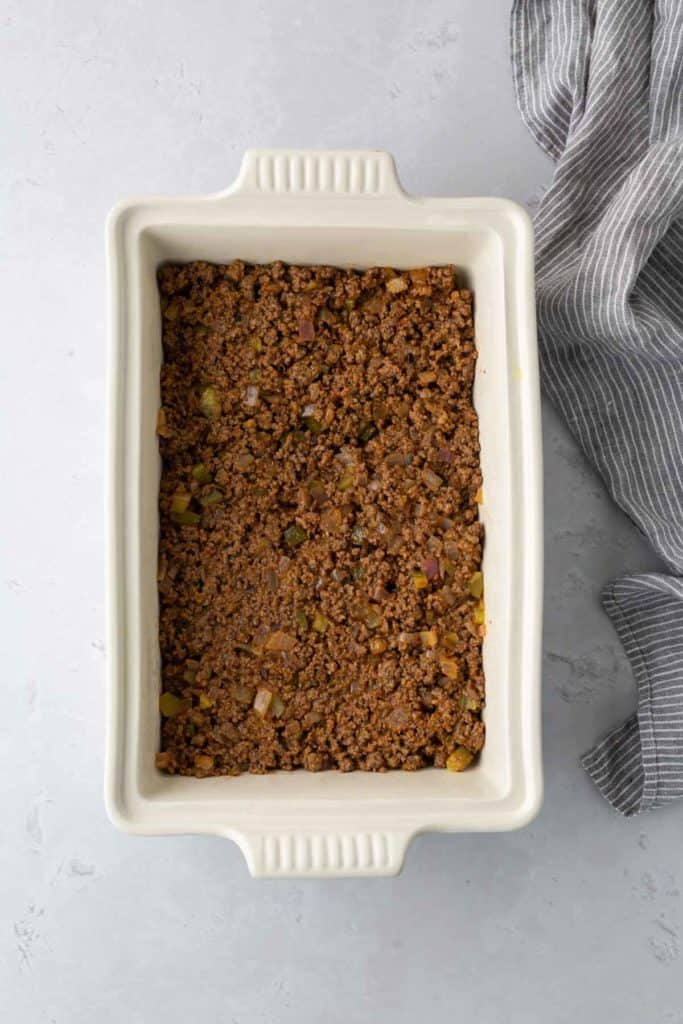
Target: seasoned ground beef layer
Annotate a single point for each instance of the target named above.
(320, 550)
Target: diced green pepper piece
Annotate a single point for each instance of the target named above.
(366, 432)
(180, 502)
(186, 518)
(210, 403)
(460, 759)
(313, 425)
(294, 536)
(212, 498)
(320, 622)
(301, 618)
(347, 479)
(170, 705)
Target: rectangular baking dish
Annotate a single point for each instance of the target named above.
(342, 208)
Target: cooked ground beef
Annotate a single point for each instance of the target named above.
(320, 549)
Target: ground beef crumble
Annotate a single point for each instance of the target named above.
(319, 555)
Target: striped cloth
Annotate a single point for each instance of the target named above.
(600, 85)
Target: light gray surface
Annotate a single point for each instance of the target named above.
(579, 915)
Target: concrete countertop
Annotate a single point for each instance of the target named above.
(578, 916)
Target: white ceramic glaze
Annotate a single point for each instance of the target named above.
(342, 208)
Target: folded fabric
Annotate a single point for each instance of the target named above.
(599, 84)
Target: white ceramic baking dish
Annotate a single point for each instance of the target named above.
(341, 208)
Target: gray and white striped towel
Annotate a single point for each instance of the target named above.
(600, 86)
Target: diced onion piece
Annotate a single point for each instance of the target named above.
(272, 580)
(244, 461)
(407, 640)
(372, 616)
(396, 285)
(445, 455)
(251, 396)
(445, 523)
(433, 481)
(210, 403)
(476, 585)
(204, 762)
(280, 641)
(429, 637)
(320, 622)
(170, 705)
(309, 410)
(420, 580)
(431, 568)
(377, 645)
(459, 760)
(163, 429)
(345, 457)
(306, 330)
(357, 535)
(398, 718)
(398, 459)
(262, 701)
(450, 668)
(277, 706)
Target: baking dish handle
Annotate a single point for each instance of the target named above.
(349, 173)
(323, 854)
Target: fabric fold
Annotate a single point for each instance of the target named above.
(599, 84)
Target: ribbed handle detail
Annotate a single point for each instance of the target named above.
(350, 173)
(299, 854)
